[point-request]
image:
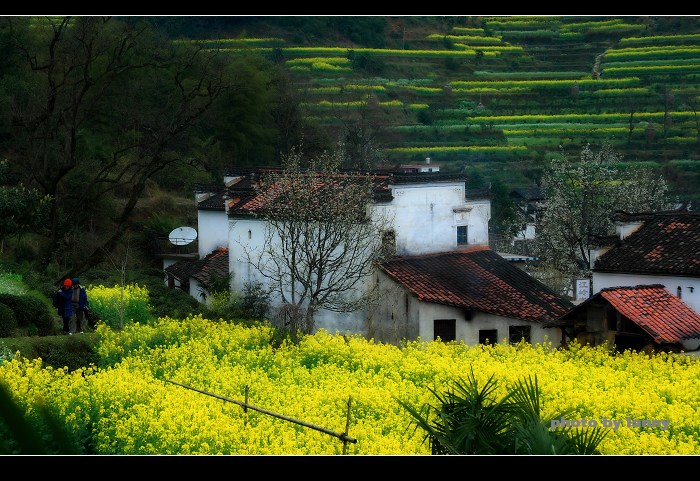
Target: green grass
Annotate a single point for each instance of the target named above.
(12, 284)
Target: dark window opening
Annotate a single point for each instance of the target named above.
(445, 329)
(625, 341)
(388, 243)
(679, 292)
(488, 336)
(518, 333)
(462, 235)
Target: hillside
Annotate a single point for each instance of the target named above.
(495, 97)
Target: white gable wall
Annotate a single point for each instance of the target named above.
(602, 280)
(426, 216)
(212, 227)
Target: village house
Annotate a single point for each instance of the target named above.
(645, 283)
(652, 248)
(642, 317)
(435, 227)
(471, 294)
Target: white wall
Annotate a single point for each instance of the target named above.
(402, 316)
(468, 331)
(246, 237)
(196, 290)
(212, 231)
(601, 280)
(426, 217)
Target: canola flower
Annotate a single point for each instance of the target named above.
(119, 305)
(130, 404)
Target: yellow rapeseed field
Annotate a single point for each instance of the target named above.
(131, 404)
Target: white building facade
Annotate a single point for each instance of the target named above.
(427, 213)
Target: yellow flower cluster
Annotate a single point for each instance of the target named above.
(178, 387)
(120, 305)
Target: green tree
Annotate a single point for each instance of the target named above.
(22, 210)
(581, 196)
(101, 107)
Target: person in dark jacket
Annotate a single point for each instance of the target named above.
(80, 307)
(64, 304)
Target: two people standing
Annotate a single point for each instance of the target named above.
(71, 302)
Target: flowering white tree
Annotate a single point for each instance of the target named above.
(321, 237)
(581, 197)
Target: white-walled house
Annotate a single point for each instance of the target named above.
(427, 214)
(528, 203)
(431, 213)
(634, 317)
(653, 248)
(645, 283)
(472, 295)
(196, 277)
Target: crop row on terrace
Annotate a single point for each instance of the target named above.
(655, 40)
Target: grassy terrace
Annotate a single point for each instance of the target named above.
(506, 89)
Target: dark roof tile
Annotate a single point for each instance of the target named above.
(476, 278)
(215, 264)
(667, 243)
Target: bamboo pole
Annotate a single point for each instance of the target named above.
(342, 436)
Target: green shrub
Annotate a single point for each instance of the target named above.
(71, 352)
(175, 303)
(8, 322)
(30, 312)
(45, 323)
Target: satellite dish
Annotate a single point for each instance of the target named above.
(181, 236)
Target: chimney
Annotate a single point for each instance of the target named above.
(427, 160)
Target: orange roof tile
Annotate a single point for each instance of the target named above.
(662, 315)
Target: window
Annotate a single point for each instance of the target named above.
(488, 336)
(445, 329)
(517, 333)
(462, 235)
(388, 247)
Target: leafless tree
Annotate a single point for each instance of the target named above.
(322, 237)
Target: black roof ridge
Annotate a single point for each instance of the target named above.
(638, 286)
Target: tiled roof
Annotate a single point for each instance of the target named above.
(215, 264)
(255, 202)
(243, 198)
(527, 193)
(212, 201)
(667, 243)
(662, 315)
(476, 278)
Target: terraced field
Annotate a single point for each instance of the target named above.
(501, 95)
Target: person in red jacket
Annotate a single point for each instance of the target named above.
(63, 300)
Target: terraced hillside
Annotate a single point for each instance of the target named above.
(498, 96)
